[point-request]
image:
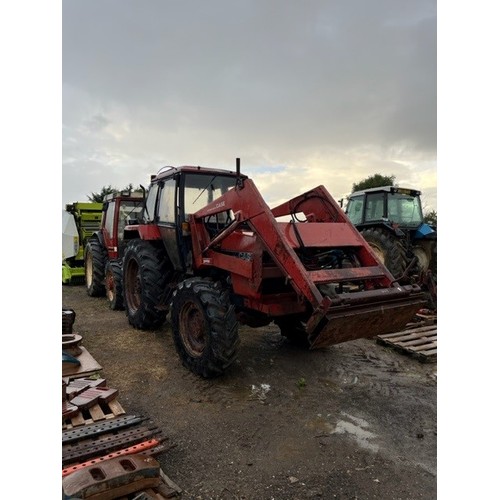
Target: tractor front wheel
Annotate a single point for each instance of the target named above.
(114, 285)
(146, 272)
(95, 258)
(204, 326)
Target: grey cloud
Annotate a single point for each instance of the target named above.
(280, 77)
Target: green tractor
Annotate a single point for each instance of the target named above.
(80, 221)
(391, 220)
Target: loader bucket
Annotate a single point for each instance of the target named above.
(371, 314)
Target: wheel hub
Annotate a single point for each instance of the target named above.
(379, 253)
(110, 286)
(192, 329)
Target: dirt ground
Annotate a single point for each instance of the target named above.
(354, 421)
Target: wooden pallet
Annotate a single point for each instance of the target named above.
(100, 411)
(417, 341)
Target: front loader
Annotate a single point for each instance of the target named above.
(210, 251)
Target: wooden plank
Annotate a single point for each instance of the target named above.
(78, 420)
(416, 342)
(96, 413)
(404, 338)
(409, 332)
(432, 352)
(419, 342)
(425, 347)
(116, 407)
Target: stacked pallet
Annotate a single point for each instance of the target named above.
(418, 340)
(106, 453)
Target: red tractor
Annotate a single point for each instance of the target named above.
(209, 250)
(104, 250)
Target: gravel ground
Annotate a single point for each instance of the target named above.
(353, 421)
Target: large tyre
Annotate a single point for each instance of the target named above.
(426, 252)
(389, 249)
(95, 258)
(294, 329)
(204, 326)
(146, 272)
(113, 281)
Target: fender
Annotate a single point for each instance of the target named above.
(143, 231)
(385, 225)
(425, 231)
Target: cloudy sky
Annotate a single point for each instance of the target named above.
(304, 92)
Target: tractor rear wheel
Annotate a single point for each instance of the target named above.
(204, 326)
(114, 285)
(95, 258)
(294, 329)
(146, 272)
(388, 248)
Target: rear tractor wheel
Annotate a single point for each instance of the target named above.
(114, 285)
(204, 326)
(388, 248)
(146, 272)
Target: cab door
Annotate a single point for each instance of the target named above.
(166, 220)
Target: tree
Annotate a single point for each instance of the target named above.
(376, 180)
(99, 197)
(431, 218)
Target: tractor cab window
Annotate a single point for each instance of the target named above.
(374, 209)
(354, 209)
(404, 209)
(200, 190)
(110, 220)
(166, 205)
(128, 214)
(149, 213)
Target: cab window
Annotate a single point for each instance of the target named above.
(355, 209)
(166, 205)
(149, 213)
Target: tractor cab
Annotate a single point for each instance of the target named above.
(119, 210)
(397, 207)
(176, 193)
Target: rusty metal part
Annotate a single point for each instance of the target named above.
(161, 448)
(364, 315)
(68, 318)
(97, 428)
(71, 343)
(106, 443)
(131, 450)
(193, 328)
(113, 478)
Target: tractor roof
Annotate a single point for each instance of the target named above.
(387, 189)
(166, 172)
(126, 194)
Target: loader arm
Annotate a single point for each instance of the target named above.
(378, 306)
